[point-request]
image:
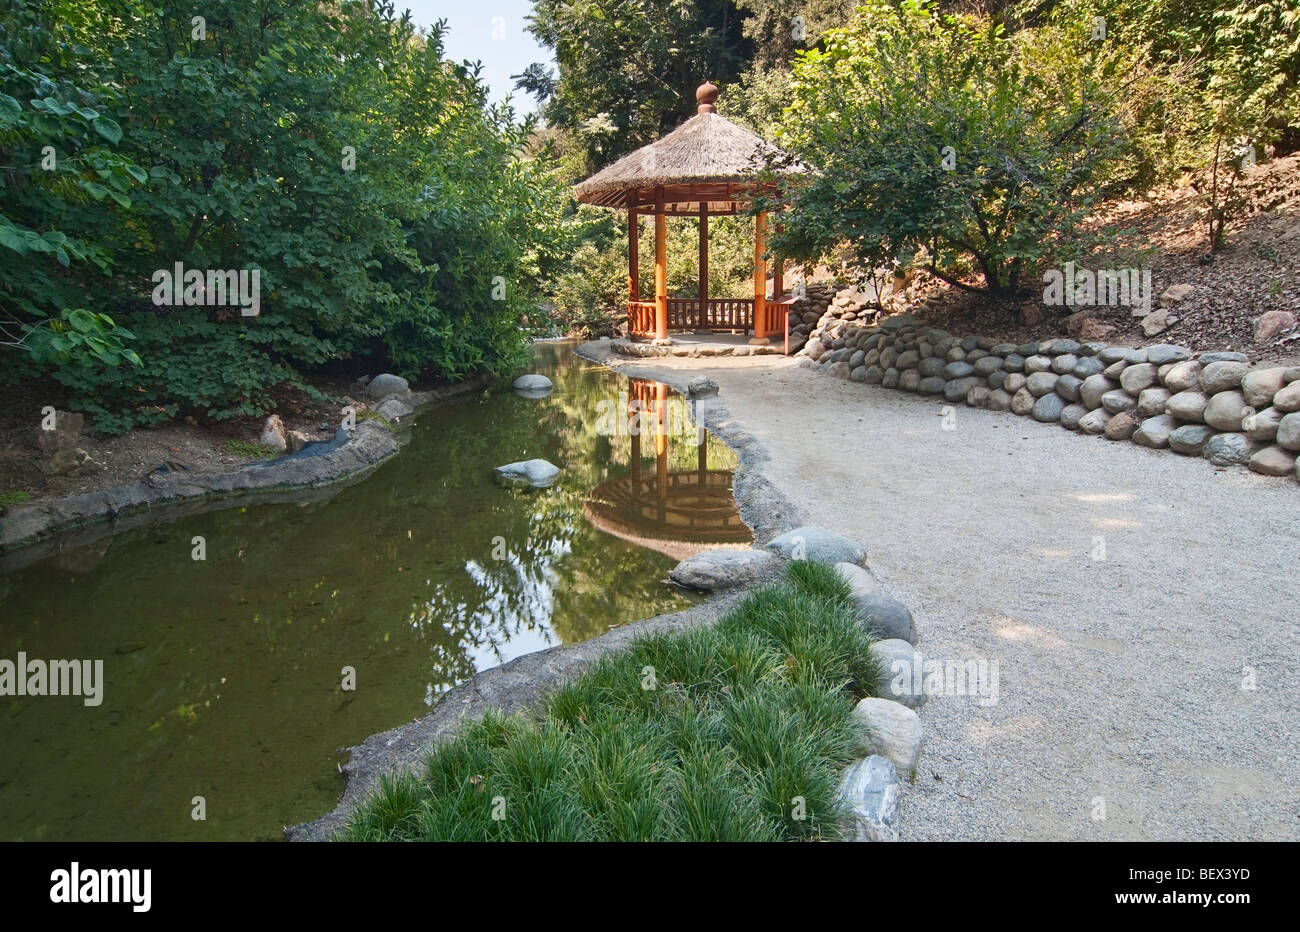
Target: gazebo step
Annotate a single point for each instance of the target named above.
(697, 346)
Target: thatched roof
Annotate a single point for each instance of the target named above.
(707, 149)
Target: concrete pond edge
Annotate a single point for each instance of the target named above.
(29, 533)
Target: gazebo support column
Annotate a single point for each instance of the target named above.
(661, 267)
(633, 256)
(778, 273)
(702, 320)
(760, 282)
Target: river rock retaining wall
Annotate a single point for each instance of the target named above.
(1214, 405)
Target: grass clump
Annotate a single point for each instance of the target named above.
(13, 498)
(249, 451)
(735, 732)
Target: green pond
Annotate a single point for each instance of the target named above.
(224, 677)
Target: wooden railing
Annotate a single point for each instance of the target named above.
(719, 314)
(684, 314)
(641, 317)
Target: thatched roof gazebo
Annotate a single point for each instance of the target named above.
(705, 167)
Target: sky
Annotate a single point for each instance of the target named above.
(490, 31)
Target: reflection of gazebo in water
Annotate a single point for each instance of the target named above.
(705, 167)
(676, 512)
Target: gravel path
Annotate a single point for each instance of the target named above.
(1120, 679)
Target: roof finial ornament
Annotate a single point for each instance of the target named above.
(705, 95)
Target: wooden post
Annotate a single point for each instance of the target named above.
(760, 282)
(634, 424)
(778, 291)
(704, 264)
(778, 277)
(633, 256)
(661, 441)
(661, 267)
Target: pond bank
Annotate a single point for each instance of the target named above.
(31, 532)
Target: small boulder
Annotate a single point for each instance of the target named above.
(1225, 411)
(870, 792)
(723, 569)
(1288, 432)
(273, 435)
(1135, 378)
(1094, 329)
(978, 396)
(891, 730)
(1260, 385)
(1121, 426)
(1087, 366)
(1022, 402)
(1068, 386)
(1288, 398)
(1229, 449)
(297, 440)
(1223, 376)
(1175, 294)
(1187, 406)
(1273, 461)
(1263, 425)
(381, 386)
(1152, 401)
(1048, 408)
(998, 400)
(1183, 376)
(537, 473)
(60, 431)
(861, 582)
(1154, 432)
(901, 677)
(532, 385)
(1071, 415)
(1041, 383)
(885, 617)
(1092, 389)
(1157, 322)
(1118, 400)
(1094, 422)
(1271, 324)
(817, 544)
(1162, 353)
(1190, 439)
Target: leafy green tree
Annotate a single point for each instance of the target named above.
(629, 68)
(63, 183)
(781, 28)
(390, 213)
(941, 140)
